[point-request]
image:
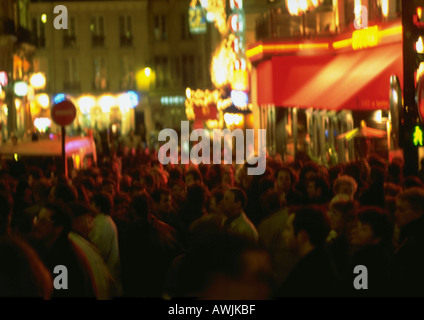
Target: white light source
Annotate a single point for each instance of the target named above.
(85, 104)
(21, 88)
(38, 80)
(42, 124)
(43, 100)
(106, 102)
(239, 98)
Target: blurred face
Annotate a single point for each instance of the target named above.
(345, 188)
(363, 235)
(310, 174)
(229, 204)
(109, 188)
(83, 225)
(178, 193)
(189, 180)
(404, 213)
(165, 204)
(214, 207)
(288, 234)
(312, 191)
(43, 228)
(256, 276)
(227, 178)
(284, 181)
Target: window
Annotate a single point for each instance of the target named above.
(176, 71)
(160, 27)
(69, 35)
(127, 73)
(100, 74)
(188, 71)
(71, 81)
(97, 31)
(161, 67)
(185, 32)
(39, 29)
(125, 31)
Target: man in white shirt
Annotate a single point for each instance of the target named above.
(237, 222)
(104, 234)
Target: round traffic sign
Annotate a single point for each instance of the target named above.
(63, 113)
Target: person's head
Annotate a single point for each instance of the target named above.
(306, 229)
(345, 185)
(40, 190)
(109, 185)
(102, 202)
(270, 202)
(285, 179)
(340, 211)
(82, 218)
(51, 222)
(226, 266)
(22, 273)
(63, 192)
(409, 206)
(197, 195)
(373, 227)
(193, 175)
(234, 201)
(214, 205)
(227, 175)
(317, 188)
(140, 205)
(412, 182)
(308, 171)
(163, 200)
(178, 191)
(394, 172)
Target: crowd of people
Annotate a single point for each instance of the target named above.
(132, 227)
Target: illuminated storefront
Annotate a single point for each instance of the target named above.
(309, 92)
(93, 112)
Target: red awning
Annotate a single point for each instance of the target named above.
(279, 77)
(357, 80)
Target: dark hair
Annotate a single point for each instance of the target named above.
(141, 205)
(379, 221)
(270, 202)
(157, 194)
(80, 208)
(197, 176)
(196, 194)
(65, 193)
(414, 197)
(314, 221)
(61, 216)
(411, 182)
(103, 201)
(293, 177)
(239, 196)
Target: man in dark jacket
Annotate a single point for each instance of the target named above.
(408, 269)
(315, 274)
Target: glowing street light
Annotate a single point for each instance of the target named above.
(38, 81)
(20, 88)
